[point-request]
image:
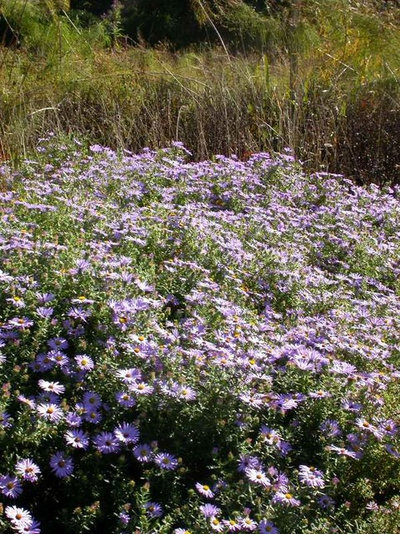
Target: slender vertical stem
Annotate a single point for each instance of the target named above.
(293, 21)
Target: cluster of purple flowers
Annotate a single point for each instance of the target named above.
(245, 306)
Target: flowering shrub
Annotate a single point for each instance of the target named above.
(196, 347)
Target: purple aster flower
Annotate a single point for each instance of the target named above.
(311, 477)
(269, 435)
(219, 485)
(343, 452)
(79, 313)
(325, 501)
(53, 387)
(286, 499)
(106, 443)
(27, 469)
(77, 439)
(58, 343)
(257, 476)
(19, 517)
(204, 490)
(389, 427)
(129, 376)
(44, 313)
(10, 486)
(51, 412)
(97, 149)
(319, 394)
(209, 510)
(267, 527)
(5, 420)
(366, 426)
(43, 362)
(84, 362)
(357, 442)
(82, 300)
(286, 402)
(140, 388)
(284, 448)
(352, 406)
(47, 398)
(81, 266)
(143, 453)
(20, 323)
(91, 400)
(124, 518)
(330, 428)
(43, 298)
(73, 419)
(126, 433)
(216, 524)
(372, 506)
(248, 524)
(125, 399)
(186, 393)
(59, 359)
(16, 301)
(232, 525)
(32, 528)
(246, 461)
(166, 461)
(144, 286)
(27, 401)
(392, 450)
(92, 416)
(280, 481)
(61, 465)
(153, 509)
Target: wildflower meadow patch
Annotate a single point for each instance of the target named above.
(196, 347)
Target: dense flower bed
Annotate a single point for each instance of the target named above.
(196, 347)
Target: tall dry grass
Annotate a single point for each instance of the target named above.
(329, 90)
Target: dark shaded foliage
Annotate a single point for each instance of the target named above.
(155, 21)
(97, 7)
(8, 36)
(370, 145)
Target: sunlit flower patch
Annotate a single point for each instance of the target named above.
(196, 347)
